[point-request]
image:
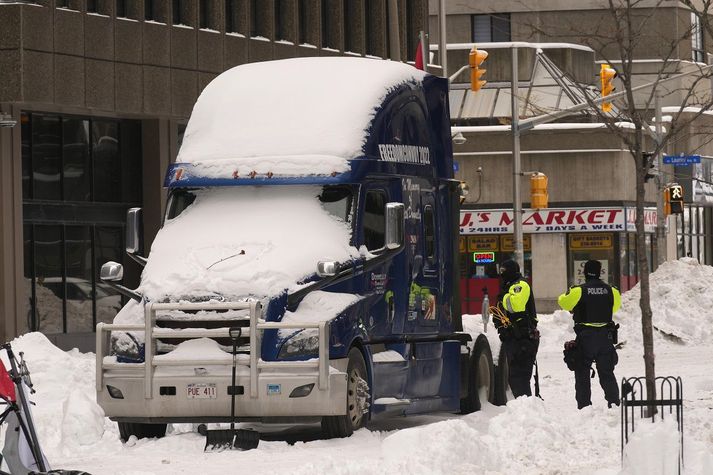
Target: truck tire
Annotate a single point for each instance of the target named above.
(141, 431)
(481, 377)
(502, 375)
(357, 395)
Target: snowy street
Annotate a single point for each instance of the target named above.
(526, 436)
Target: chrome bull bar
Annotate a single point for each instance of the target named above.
(257, 326)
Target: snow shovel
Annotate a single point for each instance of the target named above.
(228, 439)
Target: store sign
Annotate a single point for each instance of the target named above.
(482, 243)
(507, 243)
(553, 220)
(483, 257)
(650, 220)
(590, 241)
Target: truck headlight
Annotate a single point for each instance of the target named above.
(127, 348)
(303, 344)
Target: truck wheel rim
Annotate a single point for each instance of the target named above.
(357, 397)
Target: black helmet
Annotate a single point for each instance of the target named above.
(509, 270)
(592, 269)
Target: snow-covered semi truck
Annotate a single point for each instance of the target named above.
(312, 215)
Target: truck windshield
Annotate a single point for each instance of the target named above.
(238, 241)
(336, 200)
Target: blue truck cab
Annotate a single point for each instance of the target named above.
(314, 224)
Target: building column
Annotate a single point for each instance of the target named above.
(13, 299)
(549, 269)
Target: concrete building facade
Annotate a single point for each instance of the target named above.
(101, 91)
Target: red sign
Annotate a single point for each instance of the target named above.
(553, 220)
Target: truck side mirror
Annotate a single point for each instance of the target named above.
(112, 272)
(133, 231)
(394, 226)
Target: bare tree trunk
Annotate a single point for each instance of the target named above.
(644, 301)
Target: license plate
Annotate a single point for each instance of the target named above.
(201, 391)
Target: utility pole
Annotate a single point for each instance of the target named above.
(442, 45)
(516, 165)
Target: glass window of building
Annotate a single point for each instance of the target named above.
(284, 21)
(121, 8)
(204, 14)
(181, 12)
(373, 17)
(261, 20)
(697, 47)
(490, 28)
(80, 175)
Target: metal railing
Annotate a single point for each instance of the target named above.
(254, 332)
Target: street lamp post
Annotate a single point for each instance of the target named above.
(516, 165)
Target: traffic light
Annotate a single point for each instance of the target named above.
(538, 191)
(606, 76)
(476, 59)
(673, 202)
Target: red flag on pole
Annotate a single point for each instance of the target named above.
(419, 56)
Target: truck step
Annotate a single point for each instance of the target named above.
(391, 402)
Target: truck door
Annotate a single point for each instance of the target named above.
(425, 306)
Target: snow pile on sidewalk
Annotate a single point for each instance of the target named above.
(66, 413)
(681, 301)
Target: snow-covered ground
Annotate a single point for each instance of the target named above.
(528, 436)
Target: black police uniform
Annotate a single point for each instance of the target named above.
(520, 338)
(593, 304)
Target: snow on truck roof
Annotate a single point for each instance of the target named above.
(303, 116)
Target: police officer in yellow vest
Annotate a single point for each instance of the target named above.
(518, 331)
(593, 304)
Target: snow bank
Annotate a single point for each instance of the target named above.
(66, 413)
(681, 302)
(244, 241)
(325, 106)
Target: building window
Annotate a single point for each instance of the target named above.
(351, 10)
(80, 175)
(374, 39)
(68, 4)
(260, 21)
(491, 28)
(149, 10)
(699, 54)
(121, 8)
(181, 12)
(232, 21)
(307, 30)
(329, 37)
(91, 6)
(284, 26)
(206, 14)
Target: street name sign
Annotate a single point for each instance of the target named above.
(681, 159)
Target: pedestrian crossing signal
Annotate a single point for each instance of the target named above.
(673, 199)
